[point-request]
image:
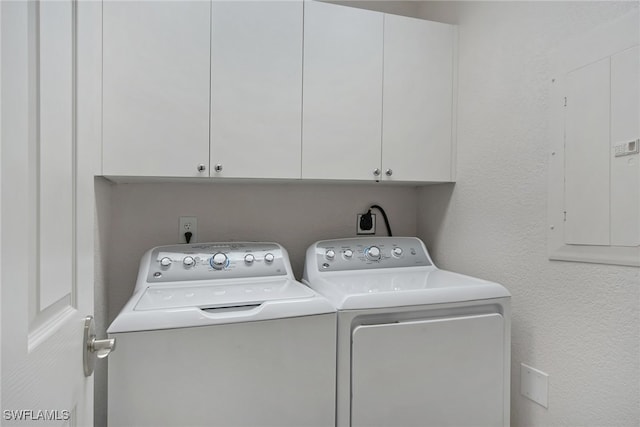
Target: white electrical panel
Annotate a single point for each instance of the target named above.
(594, 163)
(625, 161)
(587, 155)
(602, 169)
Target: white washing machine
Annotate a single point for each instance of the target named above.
(220, 334)
(417, 346)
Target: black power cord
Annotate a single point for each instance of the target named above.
(384, 216)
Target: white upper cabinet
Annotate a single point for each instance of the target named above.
(417, 99)
(378, 96)
(256, 89)
(342, 114)
(275, 90)
(155, 88)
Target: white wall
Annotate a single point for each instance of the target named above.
(294, 215)
(579, 323)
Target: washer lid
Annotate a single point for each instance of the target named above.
(172, 307)
(403, 287)
(224, 295)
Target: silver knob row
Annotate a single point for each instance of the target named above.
(218, 261)
(202, 167)
(372, 253)
(388, 172)
(330, 254)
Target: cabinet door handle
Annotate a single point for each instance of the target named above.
(218, 168)
(376, 172)
(201, 168)
(388, 172)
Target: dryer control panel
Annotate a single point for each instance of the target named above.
(366, 253)
(211, 261)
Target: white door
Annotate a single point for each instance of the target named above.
(256, 89)
(342, 92)
(47, 210)
(156, 88)
(418, 99)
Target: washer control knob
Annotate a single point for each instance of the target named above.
(165, 262)
(249, 258)
(268, 258)
(188, 261)
(396, 252)
(348, 253)
(373, 253)
(330, 254)
(219, 261)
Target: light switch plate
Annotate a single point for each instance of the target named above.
(534, 384)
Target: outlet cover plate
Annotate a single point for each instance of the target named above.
(534, 384)
(188, 223)
(373, 225)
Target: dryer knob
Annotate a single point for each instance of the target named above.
(373, 253)
(396, 252)
(249, 258)
(348, 253)
(165, 262)
(219, 261)
(188, 261)
(330, 254)
(268, 258)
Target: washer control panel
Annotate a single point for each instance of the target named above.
(365, 253)
(208, 261)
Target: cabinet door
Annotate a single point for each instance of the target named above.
(155, 88)
(625, 129)
(342, 92)
(418, 93)
(256, 89)
(587, 148)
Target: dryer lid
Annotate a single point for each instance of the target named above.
(403, 287)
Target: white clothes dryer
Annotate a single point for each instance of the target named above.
(220, 334)
(417, 346)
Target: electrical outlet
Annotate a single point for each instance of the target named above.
(372, 230)
(188, 224)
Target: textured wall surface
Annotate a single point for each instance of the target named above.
(294, 215)
(578, 322)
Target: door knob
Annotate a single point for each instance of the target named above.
(93, 348)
